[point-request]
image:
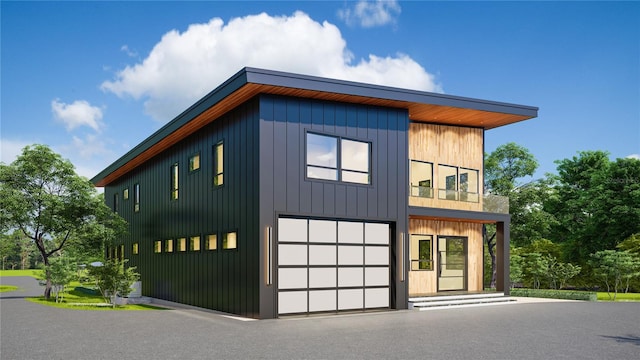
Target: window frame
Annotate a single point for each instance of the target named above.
(225, 241)
(193, 243)
(116, 198)
(192, 168)
(208, 242)
(218, 164)
(339, 169)
(430, 191)
(175, 180)
(464, 196)
(135, 248)
(136, 197)
(419, 260)
(449, 194)
(182, 244)
(125, 194)
(168, 246)
(157, 246)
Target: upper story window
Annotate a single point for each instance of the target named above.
(174, 181)
(194, 162)
(459, 184)
(469, 185)
(421, 174)
(218, 164)
(115, 203)
(229, 240)
(125, 194)
(136, 197)
(338, 159)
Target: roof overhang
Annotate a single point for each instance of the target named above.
(249, 82)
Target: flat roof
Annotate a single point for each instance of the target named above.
(422, 106)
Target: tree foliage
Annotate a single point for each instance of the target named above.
(43, 197)
(113, 279)
(615, 268)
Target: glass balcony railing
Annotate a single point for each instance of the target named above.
(488, 202)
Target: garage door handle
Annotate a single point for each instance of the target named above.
(269, 258)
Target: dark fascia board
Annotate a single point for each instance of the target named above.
(314, 83)
(307, 82)
(458, 214)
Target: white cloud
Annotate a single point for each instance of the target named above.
(634, 156)
(79, 113)
(129, 52)
(184, 66)
(371, 13)
(10, 149)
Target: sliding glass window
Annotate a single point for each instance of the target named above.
(447, 182)
(469, 185)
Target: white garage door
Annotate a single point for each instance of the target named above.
(328, 265)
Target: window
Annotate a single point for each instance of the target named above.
(194, 162)
(212, 242)
(157, 246)
(194, 243)
(134, 249)
(421, 179)
(136, 197)
(229, 240)
(349, 162)
(421, 246)
(182, 244)
(168, 245)
(115, 203)
(447, 182)
(125, 194)
(218, 164)
(174, 181)
(469, 185)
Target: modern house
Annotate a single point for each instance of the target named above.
(279, 193)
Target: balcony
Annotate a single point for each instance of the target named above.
(458, 200)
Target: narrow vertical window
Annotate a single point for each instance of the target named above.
(194, 243)
(157, 246)
(174, 181)
(212, 242)
(134, 249)
(125, 194)
(194, 162)
(168, 245)
(229, 240)
(469, 185)
(218, 164)
(136, 197)
(182, 244)
(421, 175)
(115, 203)
(448, 182)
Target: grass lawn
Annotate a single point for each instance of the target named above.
(603, 296)
(7, 288)
(29, 272)
(76, 295)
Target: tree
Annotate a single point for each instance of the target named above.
(536, 268)
(631, 244)
(43, 197)
(502, 170)
(62, 272)
(614, 268)
(8, 249)
(113, 279)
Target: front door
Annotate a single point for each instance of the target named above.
(452, 263)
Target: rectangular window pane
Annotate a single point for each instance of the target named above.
(134, 249)
(182, 244)
(447, 182)
(355, 177)
(168, 245)
(421, 179)
(421, 246)
(469, 185)
(194, 243)
(174, 181)
(157, 246)
(229, 241)
(322, 173)
(125, 194)
(115, 203)
(212, 242)
(136, 197)
(218, 164)
(194, 162)
(355, 155)
(322, 151)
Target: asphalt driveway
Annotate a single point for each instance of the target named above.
(547, 330)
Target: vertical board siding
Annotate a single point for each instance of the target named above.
(425, 282)
(225, 280)
(284, 188)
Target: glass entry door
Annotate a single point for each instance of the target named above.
(452, 263)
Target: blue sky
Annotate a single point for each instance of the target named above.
(93, 79)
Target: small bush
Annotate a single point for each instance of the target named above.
(556, 294)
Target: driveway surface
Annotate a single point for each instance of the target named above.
(527, 330)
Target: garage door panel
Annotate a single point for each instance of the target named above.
(292, 302)
(374, 276)
(376, 298)
(322, 300)
(376, 233)
(322, 254)
(290, 254)
(292, 278)
(350, 255)
(292, 230)
(350, 299)
(348, 277)
(350, 232)
(322, 277)
(376, 255)
(322, 231)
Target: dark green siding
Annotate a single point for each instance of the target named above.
(225, 280)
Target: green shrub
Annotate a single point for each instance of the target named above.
(556, 294)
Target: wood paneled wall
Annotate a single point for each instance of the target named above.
(447, 145)
(425, 282)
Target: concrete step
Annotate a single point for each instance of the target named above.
(458, 301)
